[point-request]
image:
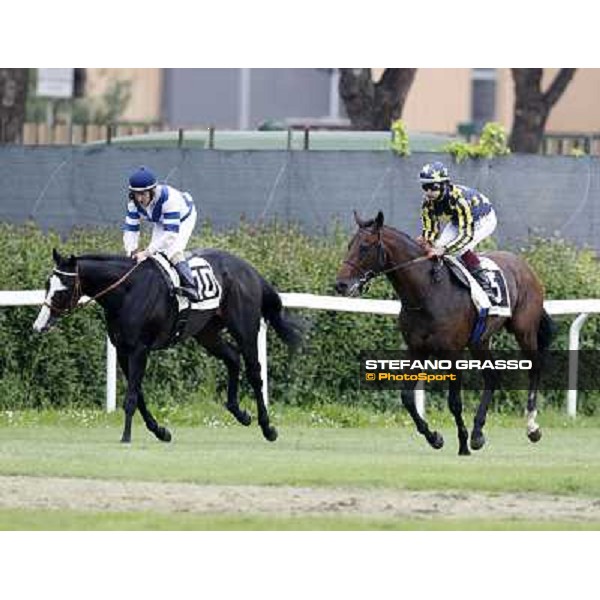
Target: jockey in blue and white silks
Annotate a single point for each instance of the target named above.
(468, 217)
(173, 216)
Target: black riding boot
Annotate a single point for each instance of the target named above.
(187, 281)
(482, 280)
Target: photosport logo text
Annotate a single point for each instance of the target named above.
(559, 370)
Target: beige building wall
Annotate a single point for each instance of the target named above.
(438, 101)
(428, 110)
(146, 90)
(576, 111)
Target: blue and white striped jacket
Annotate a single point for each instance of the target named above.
(167, 211)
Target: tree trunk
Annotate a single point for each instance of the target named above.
(13, 96)
(373, 106)
(532, 106)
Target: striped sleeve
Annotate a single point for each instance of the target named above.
(132, 218)
(131, 228)
(429, 222)
(466, 229)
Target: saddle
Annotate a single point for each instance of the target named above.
(498, 302)
(208, 286)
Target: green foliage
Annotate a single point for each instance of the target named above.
(577, 152)
(65, 367)
(399, 143)
(106, 109)
(492, 142)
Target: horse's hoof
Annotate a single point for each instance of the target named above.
(477, 442)
(464, 452)
(436, 441)
(535, 435)
(245, 418)
(125, 440)
(163, 434)
(241, 416)
(270, 434)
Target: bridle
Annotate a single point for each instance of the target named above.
(77, 292)
(367, 275)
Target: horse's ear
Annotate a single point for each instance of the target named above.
(56, 256)
(379, 220)
(358, 220)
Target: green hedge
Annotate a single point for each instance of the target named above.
(66, 366)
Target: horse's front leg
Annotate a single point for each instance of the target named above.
(456, 408)
(136, 367)
(434, 438)
(161, 432)
(490, 380)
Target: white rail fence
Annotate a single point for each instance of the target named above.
(581, 308)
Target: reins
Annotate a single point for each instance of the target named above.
(77, 291)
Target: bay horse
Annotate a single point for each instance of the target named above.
(141, 313)
(438, 316)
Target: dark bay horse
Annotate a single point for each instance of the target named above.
(438, 316)
(141, 312)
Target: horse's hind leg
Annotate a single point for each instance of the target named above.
(528, 342)
(246, 335)
(223, 350)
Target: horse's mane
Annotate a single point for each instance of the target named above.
(401, 234)
(105, 258)
(407, 238)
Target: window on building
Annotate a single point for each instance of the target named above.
(483, 97)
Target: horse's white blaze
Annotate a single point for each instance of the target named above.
(531, 424)
(56, 285)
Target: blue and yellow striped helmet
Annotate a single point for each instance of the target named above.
(435, 172)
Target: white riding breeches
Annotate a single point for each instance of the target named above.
(483, 228)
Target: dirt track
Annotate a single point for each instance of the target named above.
(100, 495)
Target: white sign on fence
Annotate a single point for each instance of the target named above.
(55, 83)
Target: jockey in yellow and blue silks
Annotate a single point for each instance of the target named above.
(173, 216)
(466, 214)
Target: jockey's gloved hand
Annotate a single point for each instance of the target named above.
(435, 252)
(141, 255)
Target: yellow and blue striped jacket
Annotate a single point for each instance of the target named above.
(463, 206)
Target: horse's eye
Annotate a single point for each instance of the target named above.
(362, 250)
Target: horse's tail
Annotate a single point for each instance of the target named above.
(286, 328)
(546, 332)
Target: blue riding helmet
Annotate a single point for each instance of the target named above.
(435, 172)
(141, 180)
